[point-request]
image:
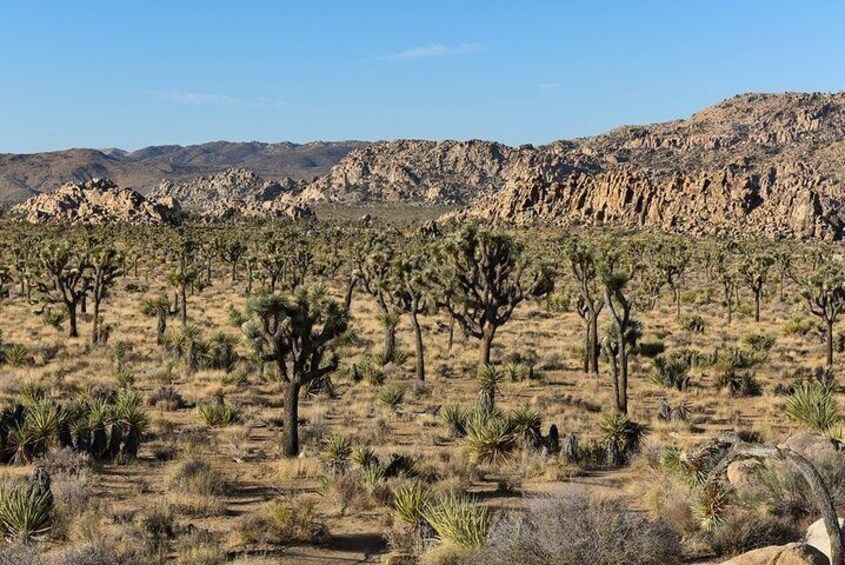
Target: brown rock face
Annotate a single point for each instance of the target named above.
(441, 172)
(236, 192)
(97, 201)
(784, 200)
(790, 554)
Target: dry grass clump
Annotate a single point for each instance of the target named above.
(579, 528)
(284, 522)
(196, 487)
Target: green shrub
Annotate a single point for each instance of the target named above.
(693, 324)
(25, 513)
(455, 418)
(489, 436)
(739, 383)
(670, 373)
(761, 342)
(651, 349)
(410, 499)
(336, 453)
(799, 325)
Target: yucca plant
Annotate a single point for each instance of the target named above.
(219, 415)
(490, 378)
(455, 417)
(391, 396)
(709, 506)
(364, 456)
(336, 454)
(372, 476)
(25, 513)
(20, 444)
(739, 383)
(43, 419)
(814, 405)
(409, 502)
(220, 353)
(627, 433)
(516, 371)
(670, 373)
(32, 392)
(523, 420)
(16, 355)
(760, 342)
(675, 461)
(458, 520)
(489, 436)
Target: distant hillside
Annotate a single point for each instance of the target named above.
(22, 176)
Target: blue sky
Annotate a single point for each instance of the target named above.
(128, 74)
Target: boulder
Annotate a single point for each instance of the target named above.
(811, 445)
(817, 536)
(789, 554)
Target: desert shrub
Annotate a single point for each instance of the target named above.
(627, 433)
(100, 552)
(743, 359)
(217, 415)
(410, 499)
(336, 453)
(814, 405)
(283, 522)
(196, 476)
(458, 521)
(220, 352)
(762, 342)
(799, 325)
(200, 548)
(391, 396)
(693, 324)
(364, 456)
(516, 371)
(651, 349)
(670, 372)
(16, 355)
(578, 528)
(167, 398)
(743, 531)
(739, 383)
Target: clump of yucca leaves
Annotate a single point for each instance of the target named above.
(455, 417)
(105, 428)
(391, 396)
(627, 433)
(670, 372)
(338, 449)
(25, 513)
(219, 415)
(490, 436)
(814, 405)
(456, 519)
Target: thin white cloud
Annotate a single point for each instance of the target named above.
(434, 50)
(194, 98)
(549, 85)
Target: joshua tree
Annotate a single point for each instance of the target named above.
(105, 270)
(160, 308)
(296, 332)
(230, 250)
(754, 268)
(66, 272)
(824, 292)
(412, 277)
(181, 279)
(725, 271)
(485, 277)
(272, 262)
(583, 264)
(615, 275)
(374, 272)
(671, 260)
(783, 266)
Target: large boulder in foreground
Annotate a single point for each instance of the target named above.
(96, 201)
(789, 554)
(817, 536)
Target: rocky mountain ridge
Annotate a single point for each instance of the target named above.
(25, 175)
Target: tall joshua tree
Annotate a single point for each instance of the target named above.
(754, 268)
(160, 309)
(615, 274)
(296, 331)
(106, 268)
(182, 279)
(824, 292)
(375, 274)
(485, 276)
(66, 273)
(411, 277)
(582, 262)
(671, 260)
(230, 250)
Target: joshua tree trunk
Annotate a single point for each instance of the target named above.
(418, 342)
(95, 328)
(594, 342)
(389, 340)
(183, 305)
(829, 344)
(290, 445)
(486, 345)
(451, 333)
(83, 304)
(757, 298)
(71, 312)
(162, 326)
